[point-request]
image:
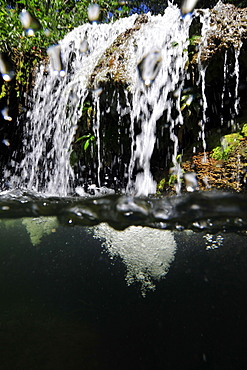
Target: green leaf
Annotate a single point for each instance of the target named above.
(86, 144)
(83, 137)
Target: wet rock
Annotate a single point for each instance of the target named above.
(112, 65)
(228, 29)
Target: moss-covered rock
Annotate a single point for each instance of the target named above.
(228, 29)
(228, 144)
(225, 166)
(112, 65)
(37, 228)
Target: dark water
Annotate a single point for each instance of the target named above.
(65, 304)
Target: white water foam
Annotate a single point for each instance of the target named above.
(147, 253)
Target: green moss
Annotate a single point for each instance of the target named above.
(244, 130)
(228, 144)
(218, 154)
(38, 227)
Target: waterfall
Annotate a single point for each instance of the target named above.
(58, 99)
(57, 106)
(172, 44)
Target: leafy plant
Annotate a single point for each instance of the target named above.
(87, 140)
(244, 130)
(57, 18)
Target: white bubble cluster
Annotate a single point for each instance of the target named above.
(147, 253)
(213, 241)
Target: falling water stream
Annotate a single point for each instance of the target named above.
(58, 101)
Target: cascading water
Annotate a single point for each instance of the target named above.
(57, 107)
(156, 71)
(151, 98)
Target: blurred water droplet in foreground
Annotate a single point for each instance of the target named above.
(5, 114)
(6, 142)
(191, 181)
(97, 91)
(84, 46)
(54, 52)
(47, 32)
(93, 12)
(149, 67)
(188, 6)
(6, 67)
(30, 23)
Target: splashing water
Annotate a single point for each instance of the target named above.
(156, 69)
(150, 101)
(57, 107)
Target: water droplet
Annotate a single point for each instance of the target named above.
(200, 224)
(195, 207)
(29, 22)
(30, 32)
(62, 73)
(179, 227)
(6, 67)
(5, 208)
(5, 114)
(6, 142)
(54, 52)
(191, 181)
(149, 67)
(93, 12)
(188, 6)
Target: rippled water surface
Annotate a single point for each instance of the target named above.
(214, 211)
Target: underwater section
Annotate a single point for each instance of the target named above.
(98, 298)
